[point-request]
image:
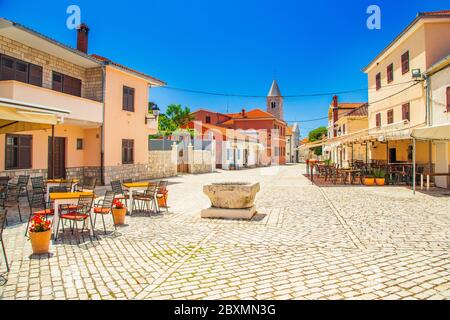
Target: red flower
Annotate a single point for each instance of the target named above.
(39, 224)
(117, 204)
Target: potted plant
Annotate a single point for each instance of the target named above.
(118, 211)
(380, 176)
(40, 234)
(369, 180)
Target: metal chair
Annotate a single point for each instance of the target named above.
(119, 193)
(37, 184)
(88, 184)
(19, 190)
(38, 207)
(148, 198)
(162, 193)
(104, 207)
(81, 214)
(3, 213)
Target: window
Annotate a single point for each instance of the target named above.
(66, 84)
(448, 99)
(273, 104)
(378, 81)
(343, 129)
(15, 69)
(127, 151)
(128, 99)
(390, 73)
(18, 151)
(390, 116)
(79, 144)
(405, 111)
(208, 119)
(378, 119)
(405, 62)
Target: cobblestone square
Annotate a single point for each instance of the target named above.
(306, 242)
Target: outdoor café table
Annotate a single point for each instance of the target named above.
(57, 182)
(70, 198)
(350, 173)
(132, 187)
(431, 175)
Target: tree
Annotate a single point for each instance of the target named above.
(316, 135)
(175, 118)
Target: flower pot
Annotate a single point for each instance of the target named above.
(369, 181)
(380, 181)
(119, 215)
(40, 241)
(162, 201)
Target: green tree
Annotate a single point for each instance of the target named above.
(316, 135)
(175, 118)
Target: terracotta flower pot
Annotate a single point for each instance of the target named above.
(162, 201)
(40, 241)
(369, 181)
(380, 181)
(119, 215)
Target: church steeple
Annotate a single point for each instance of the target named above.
(275, 101)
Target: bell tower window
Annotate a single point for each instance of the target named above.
(273, 104)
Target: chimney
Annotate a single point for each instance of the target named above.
(243, 113)
(82, 38)
(335, 112)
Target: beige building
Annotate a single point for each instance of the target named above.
(397, 90)
(67, 114)
(292, 143)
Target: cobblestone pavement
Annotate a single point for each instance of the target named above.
(305, 242)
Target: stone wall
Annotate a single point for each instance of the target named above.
(91, 79)
(201, 162)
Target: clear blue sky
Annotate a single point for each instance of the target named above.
(235, 47)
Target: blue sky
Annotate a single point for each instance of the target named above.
(234, 47)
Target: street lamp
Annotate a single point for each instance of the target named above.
(155, 111)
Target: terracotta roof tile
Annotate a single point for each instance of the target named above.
(361, 111)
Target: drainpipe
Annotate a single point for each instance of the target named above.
(429, 121)
(102, 129)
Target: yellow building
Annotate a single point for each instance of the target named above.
(397, 90)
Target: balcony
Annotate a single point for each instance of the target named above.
(82, 111)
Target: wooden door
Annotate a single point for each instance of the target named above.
(59, 160)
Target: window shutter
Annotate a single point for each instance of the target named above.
(57, 82)
(21, 73)
(24, 152)
(7, 65)
(378, 81)
(35, 75)
(76, 87)
(405, 62)
(378, 119)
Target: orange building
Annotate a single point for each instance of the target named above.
(269, 125)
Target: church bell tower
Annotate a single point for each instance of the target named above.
(275, 101)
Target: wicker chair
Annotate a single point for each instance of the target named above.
(104, 207)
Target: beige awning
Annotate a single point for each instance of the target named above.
(437, 132)
(17, 116)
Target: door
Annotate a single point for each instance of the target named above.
(392, 155)
(442, 164)
(59, 164)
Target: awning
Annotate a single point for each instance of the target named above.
(16, 116)
(437, 132)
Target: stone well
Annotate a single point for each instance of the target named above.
(231, 200)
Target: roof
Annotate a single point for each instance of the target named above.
(438, 66)
(361, 111)
(420, 15)
(252, 114)
(274, 90)
(151, 79)
(227, 133)
(34, 39)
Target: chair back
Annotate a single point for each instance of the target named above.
(85, 204)
(108, 199)
(57, 189)
(3, 213)
(37, 183)
(128, 180)
(37, 200)
(162, 186)
(116, 187)
(151, 190)
(23, 180)
(89, 184)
